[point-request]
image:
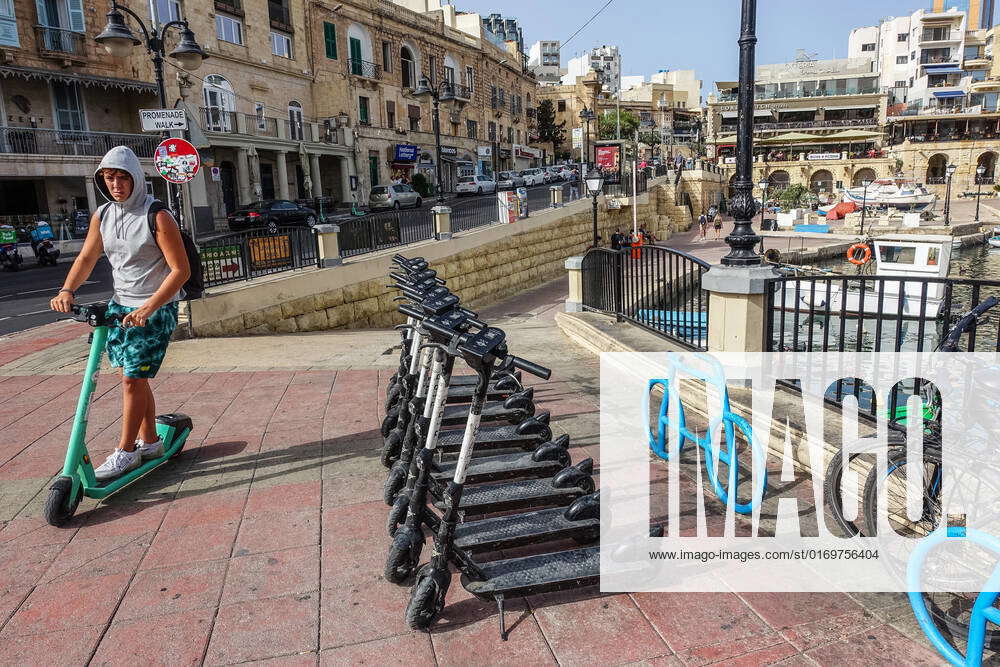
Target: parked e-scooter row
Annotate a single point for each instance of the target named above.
(514, 468)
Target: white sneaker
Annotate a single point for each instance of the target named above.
(150, 450)
(119, 463)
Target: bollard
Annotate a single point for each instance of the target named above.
(329, 245)
(442, 222)
(556, 195)
(574, 300)
(736, 307)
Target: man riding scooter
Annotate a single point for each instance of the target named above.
(149, 269)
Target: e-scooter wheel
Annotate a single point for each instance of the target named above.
(60, 505)
(397, 514)
(391, 396)
(389, 422)
(394, 481)
(403, 558)
(391, 448)
(426, 602)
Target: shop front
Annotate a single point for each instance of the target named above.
(504, 160)
(402, 162)
(484, 160)
(526, 157)
(449, 168)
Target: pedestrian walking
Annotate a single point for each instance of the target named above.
(616, 240)
(703, 225)
(574, 185)
(717, 223)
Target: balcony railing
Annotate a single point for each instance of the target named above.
(34, 141)
(796, 94)
(219, 120)
(939, 60)
(461, 92)
(364, 68)
(56, 41)
(262, 126)
(295, 130)
(792, 125)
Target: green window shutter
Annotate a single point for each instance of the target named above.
(330, 38)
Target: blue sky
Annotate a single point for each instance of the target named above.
(695, 34)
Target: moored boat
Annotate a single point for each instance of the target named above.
(895, 192)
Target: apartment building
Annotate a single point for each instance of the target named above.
(981, 12)
(605, 60)
(544, 61)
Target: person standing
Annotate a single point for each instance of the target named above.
(574, 185)
(703, 225)
(149, 268)
(616, 240)
(717, 223)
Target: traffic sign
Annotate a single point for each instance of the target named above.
(160, 120)
(176, 160)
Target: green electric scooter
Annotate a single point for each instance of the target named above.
(77, 478)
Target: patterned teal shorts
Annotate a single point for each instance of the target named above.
(139, 351)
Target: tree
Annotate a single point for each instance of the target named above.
(608, 127)
(793, 196)
(549, 131)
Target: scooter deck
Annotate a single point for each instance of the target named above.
(471, 380)
(498, 467)
(504, 532)
(453, 415)
(491, 436)
(537, 574)
(512, 495)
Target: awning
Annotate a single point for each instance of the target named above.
(796, 110)
(726, 85)
(853, 135)
(792, 138)
(727, 139)
(951, 69)
(761, 112)
(949, 93)
(729, 114)
(851, 106)
(85, 80)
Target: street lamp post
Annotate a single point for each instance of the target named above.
(587, 115)
(864, 203)
(950, 170)
(441, 93)
(118, 40)
(595, 183)
(742, 240)
(763, 200)
(980, 170)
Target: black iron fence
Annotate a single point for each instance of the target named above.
(478, 212)
(623, 188)
(378, 231)
(245, 255)
(36, 141)
(656, 288)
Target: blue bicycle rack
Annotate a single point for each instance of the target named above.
(729, 421)
(983, 610)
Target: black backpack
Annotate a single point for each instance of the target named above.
(194, 288)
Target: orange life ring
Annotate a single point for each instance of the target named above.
(852, 254)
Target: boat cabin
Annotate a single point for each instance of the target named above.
(913, 256)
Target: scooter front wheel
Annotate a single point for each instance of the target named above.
(397, 513)
(394, 481)
(61, 503)
(426, 603)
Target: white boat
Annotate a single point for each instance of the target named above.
(995, 239)
(896, 192)
(901, 256)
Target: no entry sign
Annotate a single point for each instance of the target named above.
(176, 160)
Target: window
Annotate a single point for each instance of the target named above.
(220, 102)
(901, 60)
(503, 96)
(911, 82)
(281, 45)
(67, 15)
(449, 75)
(472, 128)
(407, 67)
(902, 37)
(295, 121)
(413, 113)
(228, 29)
(390, 114)
(386, 57)
(519, 136)
(510, 134)
(432, 67)
(492, 130)
(363, 117)
(900, 84)
(978, 75)
(868, 47)
(470, 77)
(69, 108)
(971, 52)
(561, 105)
(913, 55)
(8, 24)
(330, 40)
(161, 11)
(258, 110)
(354, 50)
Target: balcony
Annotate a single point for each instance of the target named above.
(461, 92)
(219, 120)
(277, 12)
(800, 124)
(943, 37)
(234, 7)
(34, 141)
(939, 60)
(261, 126)
(364, 69)
(980, 62)
(62, 44)
(791, 95)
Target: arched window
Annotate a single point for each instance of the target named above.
(988, 161)
(359, 48)
(937, 169)
(866, 174)
(450, 70)
(407, 67)
(220, 104)
(778, 180)
(295, 121)
(821, 181)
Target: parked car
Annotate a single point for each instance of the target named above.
(508, 180)
(393, 196)
(556, 173)
(533, 177)
(478, 184)
(271, 213)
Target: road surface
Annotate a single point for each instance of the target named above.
(25, 294)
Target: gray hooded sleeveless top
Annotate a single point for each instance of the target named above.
(137, 263)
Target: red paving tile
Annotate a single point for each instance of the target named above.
(403, 651)
(356, 614)
(112, 520)
(272, 574)
(66, 604)
(468, 633)
(283, 498)
(882, 645)
(176, 639)
(203, 508)
(764, 656)
(34, 531)
(209, 541)
(241, 633)
(603, 630)
(173, 589)
(52, 648)
(278, 530)
(96, 556)
(709, 618)
(784, 610)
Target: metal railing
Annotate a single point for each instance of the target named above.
(624, 188)
(35, 141)
(60, 41)
(246, 255)
(796, 94)
(377, 231)
(262, 126)
(359, 67)
(656, 288)
(217, 119)
(461, 91)
(794, 124)
(479, 212)
(294, 130)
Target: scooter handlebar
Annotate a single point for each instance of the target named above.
(530, 367)
(434, 327)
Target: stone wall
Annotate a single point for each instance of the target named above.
(482, 266)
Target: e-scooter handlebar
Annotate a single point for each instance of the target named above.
(530, 367)
(94, 314)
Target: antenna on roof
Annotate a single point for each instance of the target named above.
(803, 56)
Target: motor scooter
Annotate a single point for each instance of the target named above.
(41, 244)
(10, 258)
